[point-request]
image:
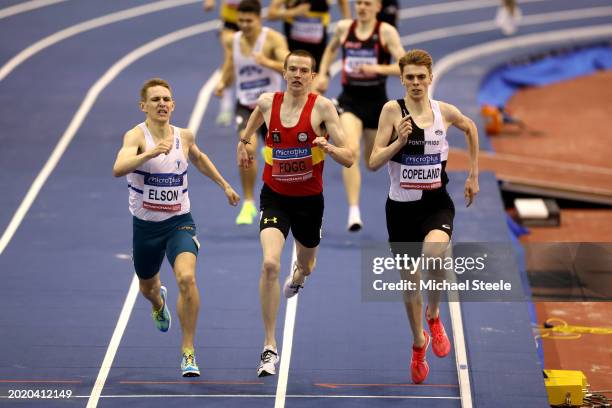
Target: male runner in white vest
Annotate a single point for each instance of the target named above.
(411, 139)
(254, 61)
(154, 157)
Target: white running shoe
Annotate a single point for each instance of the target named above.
(506, 21)
(291, 289)
(267, 362)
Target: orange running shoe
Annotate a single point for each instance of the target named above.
(418, 364)
(439, 340)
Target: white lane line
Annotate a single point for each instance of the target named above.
(388, 397)
(452, 7)
(26, 6)
(202, 102)
(533, 19)
(107, 363)
(445, 8)
(450, 61)
(444, 65)
(290, 313)
(84, 108)
(483, 26)
(461, 361)
(97, 22)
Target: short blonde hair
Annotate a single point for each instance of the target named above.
(150, 84)
(416, 57)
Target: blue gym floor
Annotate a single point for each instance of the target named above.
(69, 84)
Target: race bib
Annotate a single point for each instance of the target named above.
(292, 165)
(250, 90)
(307, 29)
(421, 172)
(357, 57)
(162, 192)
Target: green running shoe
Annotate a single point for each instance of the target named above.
(247, 213)
(189, 367)
(162, 317)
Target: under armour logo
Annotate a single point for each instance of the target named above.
(273, 219)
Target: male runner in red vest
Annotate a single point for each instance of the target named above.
(299, 123)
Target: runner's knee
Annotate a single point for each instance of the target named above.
(185, 280)
(271, 269)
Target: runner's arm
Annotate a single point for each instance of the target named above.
(201, 161)
(393, 43)
(337, 151)
(382, 151)
(279, 53)
(345, 9)
(329, 56)
(278, 10)
(453, 116)
(128, 158)
(227, 69)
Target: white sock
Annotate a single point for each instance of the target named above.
(354, 212)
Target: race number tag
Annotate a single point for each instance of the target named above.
(292, 165)
(250, 90)
(162, 192)
(307, 29)
(357, 57)
(421, 172)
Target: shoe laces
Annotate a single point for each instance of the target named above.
(267, 356)
(436, 328)
(189, 359)
(295, 286)
(158, 315)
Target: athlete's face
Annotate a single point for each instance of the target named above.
(366, 9)
(248, 23)
(416, 80)
(298, 74)
(159, 103)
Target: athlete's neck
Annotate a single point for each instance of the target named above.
(251, 38)
(159, 130)
(295, 99)
(417, 106)
(365, 26)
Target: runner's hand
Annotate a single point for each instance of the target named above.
(162, 147)
(404, 129)
(259, 58)
(232, 197)
(321, 82)
(219, 89)
(323, 144)
(368, 69)
(471, 189)
(209, 5)
(300, 10)
(243, 157)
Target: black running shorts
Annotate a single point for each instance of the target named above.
(302, 215)
(366, 109)
(411, 221)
